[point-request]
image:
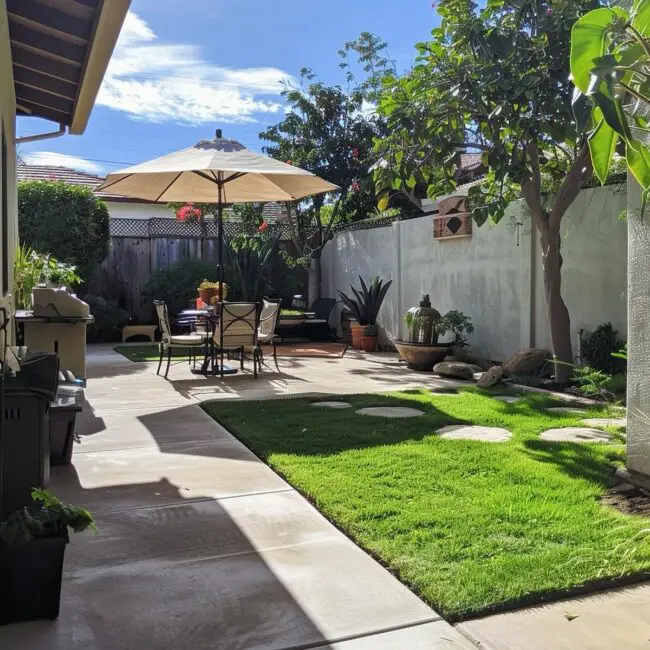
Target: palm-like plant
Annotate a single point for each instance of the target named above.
(367, 301)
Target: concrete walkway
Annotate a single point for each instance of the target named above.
(202, 546)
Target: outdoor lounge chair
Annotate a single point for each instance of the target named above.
(315, 329)
(168, 342)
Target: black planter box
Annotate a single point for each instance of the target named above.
(63, 414)
(30, 580)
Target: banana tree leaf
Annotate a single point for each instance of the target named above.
(602, 145)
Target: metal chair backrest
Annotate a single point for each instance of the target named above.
(163, 320)
(268, 318)
(238, 324)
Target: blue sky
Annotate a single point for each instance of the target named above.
(183, 68)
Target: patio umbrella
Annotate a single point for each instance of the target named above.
(217, 171)
(220, 171)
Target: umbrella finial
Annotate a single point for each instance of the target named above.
(219, 133)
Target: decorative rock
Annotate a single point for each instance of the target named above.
(332, 405)
(490, 377)
(509, 399)
(575, 434)
(456, 369)
(470, 432)
(391, 411)
(605, 422)
(525, 362)
(450, 359)
(567, 410)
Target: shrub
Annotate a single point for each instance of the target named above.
(598, 348)
(110, 318)
(177, 283)
(66, 221)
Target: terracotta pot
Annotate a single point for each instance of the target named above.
(357, 333)
(206, 295)
(369, 343)
(419, 356)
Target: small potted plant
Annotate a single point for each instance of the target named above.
(364, 309)
(32, 548)
(209, 292)
(369, 338)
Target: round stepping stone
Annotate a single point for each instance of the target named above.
(445, 393)
(567, 410)
(332, 405)
(575, 434)
(510, 399)
(605, 422)
(391, 411)
(473, 432)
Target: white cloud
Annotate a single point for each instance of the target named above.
(172, 82)
(61, 160)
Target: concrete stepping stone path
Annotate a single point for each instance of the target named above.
(575, 434)
(605, 422)
(332, 405)
(509, 399)
(390, 411)
(473, 432)
(567, 410)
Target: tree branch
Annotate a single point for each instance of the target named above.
(580, 171)
(533, 155)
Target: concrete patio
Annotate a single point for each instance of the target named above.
(200, 544)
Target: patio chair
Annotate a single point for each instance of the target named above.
(237, 331)
(168, 341)
(266, 332)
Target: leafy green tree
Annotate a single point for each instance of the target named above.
(495, 80)
(610, 64)
(330, 131)
(66, 221)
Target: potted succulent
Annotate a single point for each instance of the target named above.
(209, 292)
(364, 309)
(32, 548)
(369, 338)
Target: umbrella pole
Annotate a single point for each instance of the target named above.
(221, 262)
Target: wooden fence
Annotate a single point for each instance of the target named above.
(141, 246)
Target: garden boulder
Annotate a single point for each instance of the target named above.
(490, 377)
(528, 361)
(456, 369)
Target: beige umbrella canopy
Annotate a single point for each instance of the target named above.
(215, 171)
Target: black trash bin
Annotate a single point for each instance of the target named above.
(68, 402)
(24, 431)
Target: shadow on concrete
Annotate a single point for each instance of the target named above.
(176, 574)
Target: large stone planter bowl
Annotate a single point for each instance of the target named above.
(421, 357)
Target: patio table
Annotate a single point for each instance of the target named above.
(190, 318)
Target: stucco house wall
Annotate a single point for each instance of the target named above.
(8, 201)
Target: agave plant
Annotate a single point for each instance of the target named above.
(367, 301)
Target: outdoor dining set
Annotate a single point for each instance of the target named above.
(219, 333)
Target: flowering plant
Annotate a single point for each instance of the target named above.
(188, 213)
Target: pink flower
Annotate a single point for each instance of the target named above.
(188, 212)
(264, 226)
(355, 153)
(356, 187)
(549, 11)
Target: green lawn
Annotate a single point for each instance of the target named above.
(470, 526)
(149, 352)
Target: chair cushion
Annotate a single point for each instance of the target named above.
(187, 339)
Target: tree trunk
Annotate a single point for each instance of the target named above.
(558, 314)
(314, 280)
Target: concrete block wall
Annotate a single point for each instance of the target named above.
(494, 276)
